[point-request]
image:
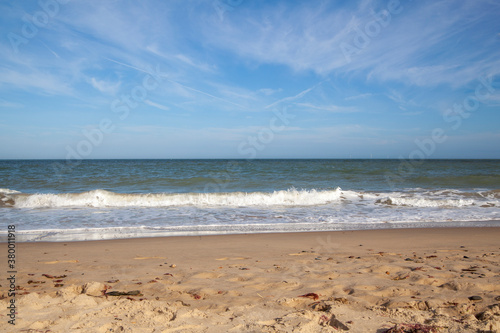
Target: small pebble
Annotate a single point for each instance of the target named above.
(497, 298)
(173, 265)
(465, 257)
(476, 298)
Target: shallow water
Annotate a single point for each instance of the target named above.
(102, 199)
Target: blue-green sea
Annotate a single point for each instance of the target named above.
(59, 200)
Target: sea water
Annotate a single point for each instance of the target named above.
(58, 200)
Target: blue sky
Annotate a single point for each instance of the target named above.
(249, 79)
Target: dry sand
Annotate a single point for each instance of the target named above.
(361, 281)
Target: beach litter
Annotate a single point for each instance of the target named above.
(311, 295)
(48, 276)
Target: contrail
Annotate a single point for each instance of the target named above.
(204, 93)
(180, 84)
(291, 98)
(51, 51)
(129, 66)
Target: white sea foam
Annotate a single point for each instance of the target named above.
(102, 198)
(422, 202)
(101, 214)
(8, 191)
(88, 234)
(447, 198)
(292, 197)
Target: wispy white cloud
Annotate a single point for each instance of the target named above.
(292, 98)
(408, 49)
(197, 65)
(106, 87)
(329, 108)
(414, 52)
(360, 96)
(402, 101)
(156, 105)
(269, 91)
(183, 86)
(304, 38)
(35, 81)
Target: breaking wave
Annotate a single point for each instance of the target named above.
(103, 198)
(420, 202)
(442, 199)
(416, 198)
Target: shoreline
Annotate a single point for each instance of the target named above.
(83, 235)
(365, 280)
(418, 230)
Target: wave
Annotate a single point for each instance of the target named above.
(8, 191)
(417, 198)
(103, 198)
(442, 198)
(422, 202)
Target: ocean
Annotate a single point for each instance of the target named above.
(55, 200)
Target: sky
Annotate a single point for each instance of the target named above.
(249, 79)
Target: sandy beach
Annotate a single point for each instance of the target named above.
(442, 280)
